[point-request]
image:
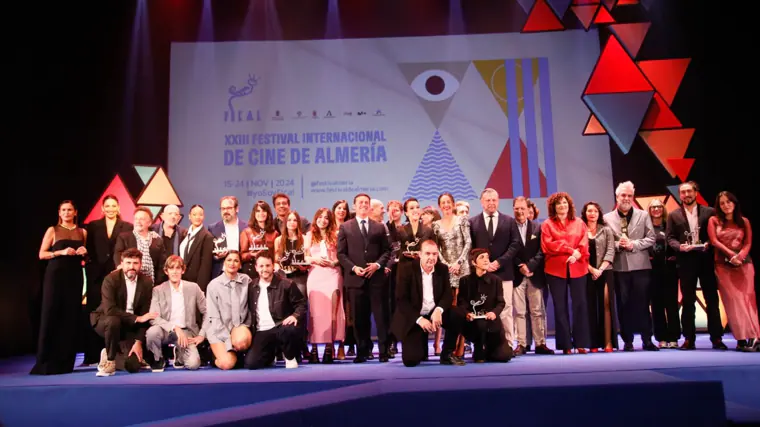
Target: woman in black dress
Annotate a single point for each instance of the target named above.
(64, 248)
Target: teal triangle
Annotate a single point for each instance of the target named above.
(559, 6)
(155, 210)
(621, 114)
(439, 172)
(674, 191)
(145, 173)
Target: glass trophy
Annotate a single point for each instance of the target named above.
(478, 314)
(395, 249)
(259, 243)
(411, 248)
(220, 244)
(692, 239)
(623, 228)
(298, 258)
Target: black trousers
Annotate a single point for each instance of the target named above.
(487, 340)
(664, 296)
(119, 337)
(595, 298)
(367, 302)
(578, 336)
(700, 268)
(633, 304)
(265, 344)
(392, 301)
(414, 346)
(92, 341)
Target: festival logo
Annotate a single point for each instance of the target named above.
(233, 114)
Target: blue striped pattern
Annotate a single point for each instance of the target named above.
(513, 120)
(439, 172)
(531, 137)
(547, 129)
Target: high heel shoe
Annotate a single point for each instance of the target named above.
(341, 352)
(327, 356)
(582, 351)
(314, 356)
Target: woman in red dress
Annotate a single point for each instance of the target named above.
(731, 235)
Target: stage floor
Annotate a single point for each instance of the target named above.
(71, 399)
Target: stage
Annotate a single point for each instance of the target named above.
(669, 387)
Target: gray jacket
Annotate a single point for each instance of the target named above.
(640, 232)
(194, 300)
(605, 245)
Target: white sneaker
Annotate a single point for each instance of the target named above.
(106, 367)
(673, 344)
(663, 344)
(291, 363)
(103, 359)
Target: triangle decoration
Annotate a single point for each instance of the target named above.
(659, 115)
(615, 72)
(644, 202)
(609, 3)
(647, 4)
(559, 6)
(672, 204)
(155, 210)
(603, 16)
(627, 2)
(438, 172)
(681, 167)
(526, 4)
(145, 172)
(126, 202)
(631, 35)
(542, 18)
(620, 113)
(666, 75)
(585, 14)
(674, 191)
(433, 88)
(701, 200)
(159, 191)
(668, 144)
(582, 2)
(593, 127)
(501, 176)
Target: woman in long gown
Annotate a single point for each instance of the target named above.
(64, 247)
(731, 235)
(327, 320)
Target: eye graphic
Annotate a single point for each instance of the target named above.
(435, 85)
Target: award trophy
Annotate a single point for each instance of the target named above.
(395, 249)
(411, 248)
(259, 243)
(220, 244)
(692, 239)
(475, 304)
(624, 228)
(298, 258)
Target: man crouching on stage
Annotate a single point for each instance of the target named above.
(423, 304)
(227, 315)
(277, 312)
(480, 294)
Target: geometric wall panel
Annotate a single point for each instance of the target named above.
(593, 127)
(660, 116)
(616, 72)
(159, 191)
(542, 18)
(644, 202)
(126, 202)
(620, 114)
(665, 75)
(631, 35)
(668, 144)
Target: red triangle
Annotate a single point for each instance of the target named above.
(593, 127)
(659, 115)
(627, 2)
(126, 202)
(585, 14)
(615, 72)
(631, 35)
(665, 75)
(668, 144)
(682, 167)
(603, 16)
(542, 18)
(501, 177)
(582, 2)
(701, 200)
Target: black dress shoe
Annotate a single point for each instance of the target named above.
(687, 345)
(383, 358)
(360, 359)
(452, 360)
(543, 349)
(649, 346)
(718, 345)
(351, 352)
(628, 346)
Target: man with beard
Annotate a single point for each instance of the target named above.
(122, 317)
(170, 230)
(226, 232)
(686, 229)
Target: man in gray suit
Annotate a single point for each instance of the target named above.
(634, 234)
(177, 303)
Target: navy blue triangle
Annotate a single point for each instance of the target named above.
(647, 4)
(526, 5)
(559, 6)
(621, 114)
(674, 190)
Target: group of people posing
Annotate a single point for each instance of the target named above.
(252, 293)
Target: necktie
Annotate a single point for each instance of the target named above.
(187, 245)
(490, 226)
(364, 229)
(235, 303)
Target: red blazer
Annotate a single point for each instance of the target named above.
(558, 242)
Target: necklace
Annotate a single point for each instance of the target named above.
(68, 228)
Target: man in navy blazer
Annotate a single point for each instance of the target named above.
(498, 233)
(230, 227)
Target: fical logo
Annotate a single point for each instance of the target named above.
(241, 115)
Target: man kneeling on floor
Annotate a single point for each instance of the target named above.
(227, 315)
(177, 303)
(423, 305)
(277, 312)
(122, 317)
(480, 302)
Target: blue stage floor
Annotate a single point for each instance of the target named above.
(211, 396)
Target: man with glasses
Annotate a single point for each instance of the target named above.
(226, 232)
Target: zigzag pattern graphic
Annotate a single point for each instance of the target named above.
(439, 172)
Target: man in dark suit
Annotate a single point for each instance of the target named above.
(226, 232)
(530, 282)
(498, 233)
(363, 249)
(196, 250)
(479, 302)
(278, 310)
(170, 230)
(688, 225)
(423, 305)
(123, 316)
(150, 245)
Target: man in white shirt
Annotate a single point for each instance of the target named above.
(277, 316)
(177, 303)
(423, 305)
(226, 232)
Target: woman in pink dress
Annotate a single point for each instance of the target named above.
(327, 320)
(731, 235)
